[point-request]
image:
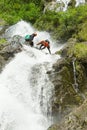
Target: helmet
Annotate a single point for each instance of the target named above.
(47, 40)
(35, 34)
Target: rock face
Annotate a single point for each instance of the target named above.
(77, 120)
(8, 50)
(65, 95)
(72, 3)
(60, 5)
(70, 91)
(53, 5)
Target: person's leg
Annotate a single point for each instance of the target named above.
(28, 42)
(49, 50)
(41, 47)
(31, 44)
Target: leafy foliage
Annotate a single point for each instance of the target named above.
(62, 25)
(79, 51)
(14, 10)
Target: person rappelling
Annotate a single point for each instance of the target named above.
(29, 39)
(44, 44)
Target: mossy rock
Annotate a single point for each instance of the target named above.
(3, 41)
(76, 120)
(79, 50)
(66, 98)
(82, 35)
(2, 22)
(2, 62)
(71, 3)
(55, 6)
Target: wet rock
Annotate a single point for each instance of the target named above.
(3, 27)
(8, 50)
(72, 3)
(66, 98)
(76, 120)
(2, 62)
(66, 95)
(53, 5)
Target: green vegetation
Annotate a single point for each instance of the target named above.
(15, 10)
(2, 41)
(2, 22)
(82, 34)
(79, 50)
(62, 25)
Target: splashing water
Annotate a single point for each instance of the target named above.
(25, 89)
(78, 2)
(75, 85)
(74, 73)
(23, 28)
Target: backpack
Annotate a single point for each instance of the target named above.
(27, 37)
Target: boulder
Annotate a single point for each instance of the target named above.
(8, 50)
(76, 120)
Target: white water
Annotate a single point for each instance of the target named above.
(25, 89)
(78, 2)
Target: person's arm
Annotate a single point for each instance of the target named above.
(40, 43)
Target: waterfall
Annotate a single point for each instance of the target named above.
(75, 85)
(25, 88)
(78, 2)
(74, 73)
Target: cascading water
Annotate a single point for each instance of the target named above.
(74, 72)
(78, 2)
(75, 85)
(25, 89)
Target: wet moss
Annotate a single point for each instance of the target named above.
(80, 75)
(82, 35)
(2, 22)
(68, 82)
(66, 93)
(66, 96)
(79, 50)
(2, 41)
